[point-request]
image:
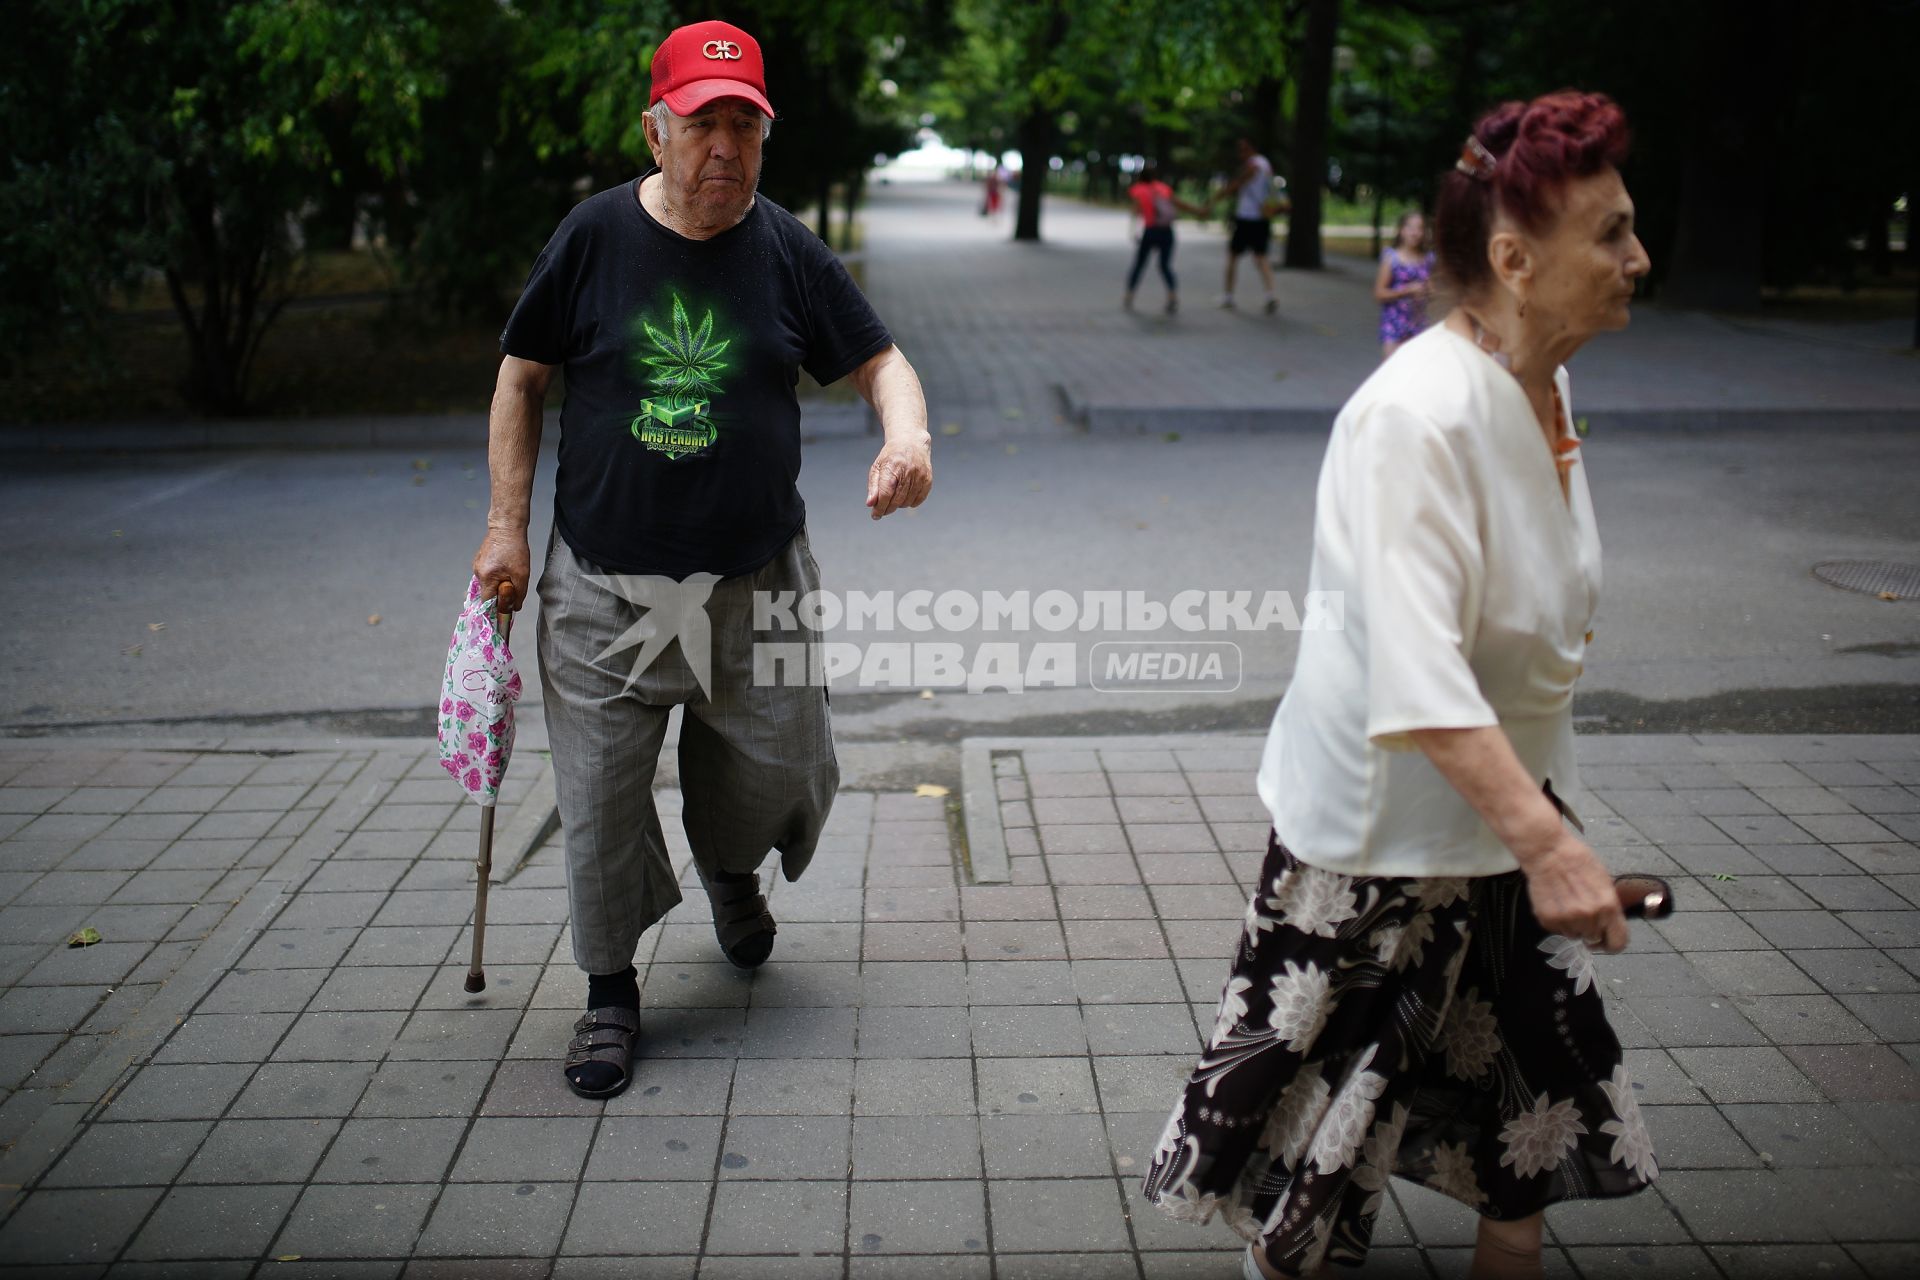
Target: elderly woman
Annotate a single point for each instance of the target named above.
(1414, 990)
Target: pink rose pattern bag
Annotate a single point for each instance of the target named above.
(476, 700)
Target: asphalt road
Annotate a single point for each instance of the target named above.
(202, 589)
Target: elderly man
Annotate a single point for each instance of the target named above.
(682, 306)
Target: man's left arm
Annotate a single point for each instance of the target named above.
(902, 476)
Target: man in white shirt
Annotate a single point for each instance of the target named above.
(1252, 232)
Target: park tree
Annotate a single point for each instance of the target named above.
(1759, 156)
(211, 144)
(1059, 79)
(201, 133)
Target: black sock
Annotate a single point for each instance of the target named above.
(617, 990)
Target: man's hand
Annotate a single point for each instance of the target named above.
(902, 476)
(503, 564)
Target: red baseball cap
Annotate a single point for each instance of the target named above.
(706, 60)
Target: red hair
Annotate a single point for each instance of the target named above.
(1538, 147)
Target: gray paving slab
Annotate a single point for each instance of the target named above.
(943, 1070)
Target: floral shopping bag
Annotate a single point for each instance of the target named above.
(476, 700)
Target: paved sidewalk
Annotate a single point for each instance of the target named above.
(934, 1077)
(1025, 339)
(999, 330)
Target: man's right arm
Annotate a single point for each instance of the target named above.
(503, 564)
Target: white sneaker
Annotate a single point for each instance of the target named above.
(1226, 302)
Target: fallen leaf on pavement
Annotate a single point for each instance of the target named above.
(156, 626)
(933, 789)
(85, 937)
(132, 650)
(926, 695)
(949, 428)
(1721, 875)
(373, 619)
(1888, 595)
(421, 464)
(1012, 449)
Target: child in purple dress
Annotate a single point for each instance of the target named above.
(1402, 286)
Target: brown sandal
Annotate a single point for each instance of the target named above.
(741, 921)
(605, 1036)
(1644, 897)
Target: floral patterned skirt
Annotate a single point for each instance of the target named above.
(1373, 1026)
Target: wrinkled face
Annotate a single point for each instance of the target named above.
(710, 161)
(1586, 265)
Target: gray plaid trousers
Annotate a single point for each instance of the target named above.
(757, 766)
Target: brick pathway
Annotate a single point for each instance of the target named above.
(998, 330)
(935, 1077)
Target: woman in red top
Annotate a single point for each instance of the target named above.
(1154, 207)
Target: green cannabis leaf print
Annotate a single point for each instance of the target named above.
(687, 362)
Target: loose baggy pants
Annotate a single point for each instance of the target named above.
(757, 766)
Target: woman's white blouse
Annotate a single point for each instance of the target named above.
(1469, 585)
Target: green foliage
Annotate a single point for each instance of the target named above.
(72, 196)
(215, 144)
(1176, 82)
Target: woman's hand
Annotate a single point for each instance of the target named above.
(1573, 894)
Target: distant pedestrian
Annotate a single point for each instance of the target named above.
(1404, 283)
(1413, 991)
(1154, 208)
(990, 203)
(1252, 220)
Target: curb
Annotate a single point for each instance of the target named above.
(535, 818)
(1133, 419)
(417, 432)
(440, 431)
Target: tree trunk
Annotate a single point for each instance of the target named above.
(1311, 114)
(1719, 258)
(1035, 133)
(1880, 238)
(1036, 145)
(1263, 116)
(825, 229)
(856, 183)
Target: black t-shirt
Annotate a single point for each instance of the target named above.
(680, 433)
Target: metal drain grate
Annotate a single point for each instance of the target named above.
(1884, 578)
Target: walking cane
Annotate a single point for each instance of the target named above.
(483, 864)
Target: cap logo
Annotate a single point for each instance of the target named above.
(721, 50)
